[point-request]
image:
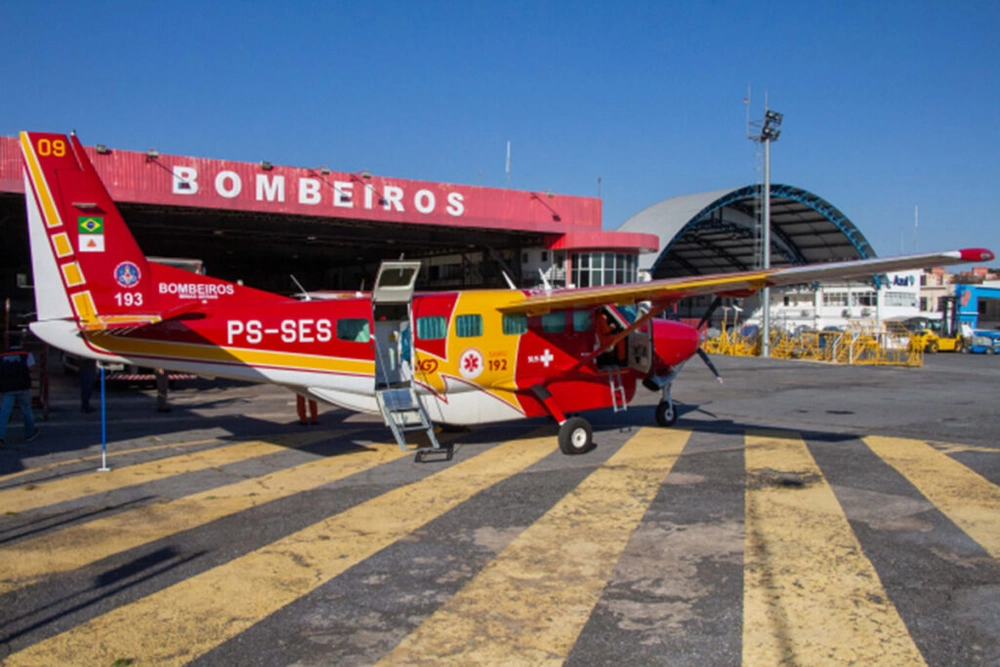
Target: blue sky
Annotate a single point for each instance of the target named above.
(888, 105)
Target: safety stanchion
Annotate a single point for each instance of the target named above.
(104, 429)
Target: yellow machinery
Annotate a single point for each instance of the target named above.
(864, 342)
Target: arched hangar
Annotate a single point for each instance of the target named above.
(719, 231)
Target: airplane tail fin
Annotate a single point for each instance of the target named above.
(87, 266)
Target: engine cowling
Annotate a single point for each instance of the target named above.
(673, 344)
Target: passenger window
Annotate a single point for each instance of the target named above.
(515, 324)
(554, 322)
(355, 330)
(469, 326)
(582, 320)
(432, 328)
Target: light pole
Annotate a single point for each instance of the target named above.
(770, 130)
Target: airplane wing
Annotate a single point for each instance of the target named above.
(667, 291)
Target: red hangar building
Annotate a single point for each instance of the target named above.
(261, 224)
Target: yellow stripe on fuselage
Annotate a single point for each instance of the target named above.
(127, 347)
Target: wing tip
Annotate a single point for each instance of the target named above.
(976, 255)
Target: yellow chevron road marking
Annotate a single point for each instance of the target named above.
(32, 496)
(529, 605)
(27, 561)
(810, 594)
(968, 499)
(194, 616)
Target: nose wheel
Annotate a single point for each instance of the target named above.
(666, 412)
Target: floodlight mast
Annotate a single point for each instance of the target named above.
(770, 130)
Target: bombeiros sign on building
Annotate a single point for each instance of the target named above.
(309, 191)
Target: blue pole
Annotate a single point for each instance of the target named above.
(104, 428)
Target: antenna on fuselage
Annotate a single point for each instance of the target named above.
(545, 281)
(510, 283)
(305, 294)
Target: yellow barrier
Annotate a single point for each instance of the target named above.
(864, 342)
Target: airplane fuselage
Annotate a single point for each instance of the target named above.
(469, 362)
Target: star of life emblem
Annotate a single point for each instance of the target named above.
(470, 364)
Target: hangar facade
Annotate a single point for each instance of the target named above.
(262, 223)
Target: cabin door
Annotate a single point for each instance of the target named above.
(392, 298)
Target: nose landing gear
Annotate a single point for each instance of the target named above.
(666, 412)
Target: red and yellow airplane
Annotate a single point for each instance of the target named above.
(460, 358)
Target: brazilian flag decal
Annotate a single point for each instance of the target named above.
(90, 224)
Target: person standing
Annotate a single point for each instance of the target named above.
(15, 385)
(300, 407)
(162, 390)
(88, 373)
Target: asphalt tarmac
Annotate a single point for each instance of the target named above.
(799, 513)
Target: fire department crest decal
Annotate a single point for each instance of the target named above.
(127, 274)
(470, 364)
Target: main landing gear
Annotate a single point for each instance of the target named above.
(576, 436)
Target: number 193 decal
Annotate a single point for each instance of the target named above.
(128, 299)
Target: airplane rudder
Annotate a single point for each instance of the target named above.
(99, 262)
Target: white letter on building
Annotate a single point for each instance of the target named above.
(235, 184)
(343, 194)
(424, 201)
(270, 190)
(368, 195)
(456, 203)
(308, 191)
(185, 180)
(393, 198)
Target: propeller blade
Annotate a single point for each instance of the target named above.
(708, 362)
(708, 313)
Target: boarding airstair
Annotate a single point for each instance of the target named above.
(401, 408)
(619, 402)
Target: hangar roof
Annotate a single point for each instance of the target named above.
(716, 232)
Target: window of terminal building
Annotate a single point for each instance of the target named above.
(901, 299)
(835, 298)
(603, 268)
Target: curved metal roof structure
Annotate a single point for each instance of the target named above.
(717, 232)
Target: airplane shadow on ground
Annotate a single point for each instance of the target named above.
(133, 422)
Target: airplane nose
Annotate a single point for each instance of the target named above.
(674, 342)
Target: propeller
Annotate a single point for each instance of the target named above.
(708, 313)
(708, 362)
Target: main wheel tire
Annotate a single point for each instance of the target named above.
(576, 436)
(666, 413)
(932, 348)
(990, 350)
